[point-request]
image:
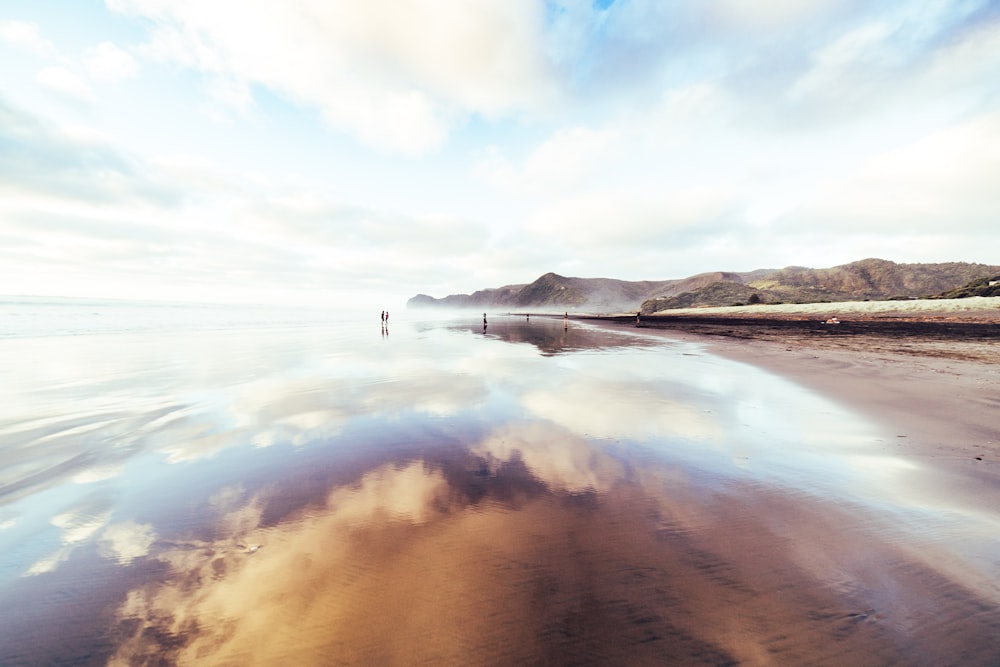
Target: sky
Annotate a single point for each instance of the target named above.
(324, 152)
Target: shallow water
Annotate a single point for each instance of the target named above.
(313, 492)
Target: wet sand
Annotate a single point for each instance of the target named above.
(933, 375)
(543, 493)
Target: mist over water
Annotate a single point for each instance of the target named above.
(53, 316)
(250, 486)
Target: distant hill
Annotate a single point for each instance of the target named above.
(499, 296)
(556, 292)
(868, 279)
(581, 294)
(873, 279)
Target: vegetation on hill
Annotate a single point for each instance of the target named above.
(871, 279)
(868, 279)
(717, 293)
(989, 286)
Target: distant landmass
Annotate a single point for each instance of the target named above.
(868, 279)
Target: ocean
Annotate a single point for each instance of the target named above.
(230, 485)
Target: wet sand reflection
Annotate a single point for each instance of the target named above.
(484, 558)
(449, 498)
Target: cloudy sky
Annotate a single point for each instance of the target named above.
(324, 151)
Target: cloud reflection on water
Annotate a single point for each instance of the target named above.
(124, 542)
(220, 600)
(529, 558)
(447, 496)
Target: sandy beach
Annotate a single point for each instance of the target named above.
(973, 309)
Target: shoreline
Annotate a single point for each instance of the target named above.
(935, 385)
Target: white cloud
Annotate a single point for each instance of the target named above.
(570, 159)
(71, 162)
(26, 35)
(840, 64)
(965, 67)
(612, 218)
(930, 185)
(379, 70)
(618, 139)
(65, 83)
(231, 94)
(765, 15)
(107, 62)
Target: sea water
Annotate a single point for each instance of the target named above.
(223, 485)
